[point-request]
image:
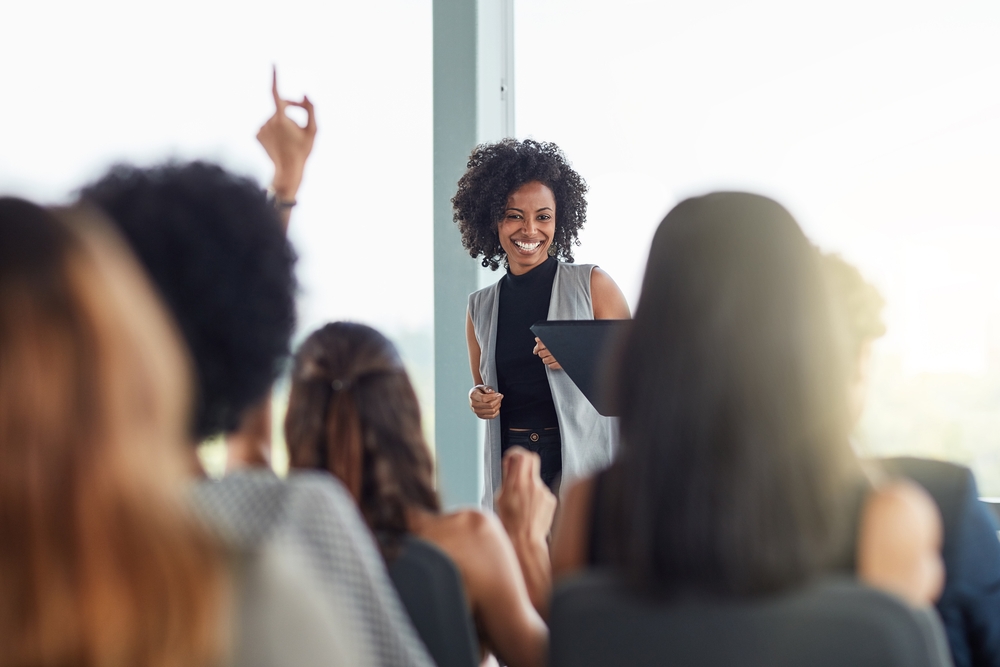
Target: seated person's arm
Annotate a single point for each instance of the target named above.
(500, 601)
(899, 543)
(526, 507)
(571, 535)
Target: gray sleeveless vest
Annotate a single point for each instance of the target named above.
(588, 439)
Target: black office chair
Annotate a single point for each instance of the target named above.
(431, 589)
(836, 622)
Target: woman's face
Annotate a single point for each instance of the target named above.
(527, 226)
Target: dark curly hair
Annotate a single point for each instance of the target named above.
(494, 172)
(352, 411)
(217, 253)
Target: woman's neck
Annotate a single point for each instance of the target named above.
(516, 270)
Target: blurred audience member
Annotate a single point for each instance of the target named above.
(216, 250)
(100, 562)
(736, 475)
(353, 412)
(862, 307)
(970, 602)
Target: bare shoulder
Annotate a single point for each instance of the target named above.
(465, 534)
(469, 523)
(609, 302)
(601, 281)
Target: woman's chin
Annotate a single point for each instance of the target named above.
(527, 260)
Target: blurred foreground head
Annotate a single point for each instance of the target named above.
(735, 462)
(217, 254)
(99, 562)
(353, 411)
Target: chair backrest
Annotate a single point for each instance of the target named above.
(595, 621)
(431, 589)
(994, 505)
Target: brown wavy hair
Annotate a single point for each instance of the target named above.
(353, 412)
(100, 563)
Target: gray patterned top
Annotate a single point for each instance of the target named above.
(312, 512)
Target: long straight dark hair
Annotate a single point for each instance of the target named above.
(353, 412)
(736, 466)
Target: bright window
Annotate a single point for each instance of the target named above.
(877, 122)
(86, 84)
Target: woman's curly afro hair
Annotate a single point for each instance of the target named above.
(494, 172)
(217, 253)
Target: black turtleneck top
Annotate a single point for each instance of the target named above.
(524, 300)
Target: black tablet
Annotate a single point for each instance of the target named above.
(582, 347)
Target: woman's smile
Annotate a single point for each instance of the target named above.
(527, 247)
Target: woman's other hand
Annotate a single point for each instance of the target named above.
(546, 356)
(485, 401)
(287, 143)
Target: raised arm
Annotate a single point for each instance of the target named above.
(511, 626)
(288, 145)
(899, 543)
(526, 507)
(571, 532)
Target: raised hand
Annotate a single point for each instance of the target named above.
(524, 504)
(526, 507)
(287, 143)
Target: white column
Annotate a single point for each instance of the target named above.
(473, 103)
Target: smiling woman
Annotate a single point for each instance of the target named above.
(521, 204)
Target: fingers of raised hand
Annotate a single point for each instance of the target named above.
(279, 104)
(311, 120)
(310, 127)
(509, 461)
(521, 466)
